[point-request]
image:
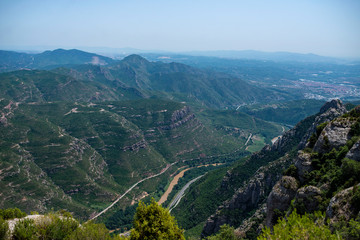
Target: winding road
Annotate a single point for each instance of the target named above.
(180, 194)
(127, 191)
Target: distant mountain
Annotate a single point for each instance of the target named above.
(269, 56)
(134, 76)
(10, 60)
(176, 81)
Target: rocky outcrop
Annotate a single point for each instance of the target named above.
(328, 112)
(280, 197)
(309, 197)
(340, 207)
(245, 199)
(252, 222)
(354, 152)
(303, 164)
(178, 118)
(334, 135)
(136, 146)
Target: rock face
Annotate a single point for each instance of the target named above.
(328, 112)
(303, 164)
(334, 135)
(354, 152)
(280, 197)
(178, 118)
(246, 199)
(340, 208)
(309, 197)
(254, 193)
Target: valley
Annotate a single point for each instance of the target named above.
(95, 136)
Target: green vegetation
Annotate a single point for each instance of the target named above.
(205, 195)
(115, 143)
(299, 227)
(55, 226)
(154, 222)
(4, 228)
(290, 112)
(226, 233)
(11, 213)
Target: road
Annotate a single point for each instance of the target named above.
(180, 194)
(248, 139)
(127, 191)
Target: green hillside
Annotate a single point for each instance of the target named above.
(284, 112)
(135, 77)
(45, 86)
(79, 156)
(212, 190)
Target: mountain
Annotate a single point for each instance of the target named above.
(44, 86)
(10, 60)
(309, 80)
(278, 179)
(290, 112)
(178, 82)
(134, 76)
(268, 56)
(80, 156)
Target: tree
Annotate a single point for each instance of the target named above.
(154, 222)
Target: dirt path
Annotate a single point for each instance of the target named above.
(171, 186)
(176, 180)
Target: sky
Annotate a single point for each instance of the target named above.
(323, 27)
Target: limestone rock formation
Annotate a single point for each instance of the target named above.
(303, 164)
(328, 112)
(354, 152)
(280, 197)
(340, 208)
(309, 197)
(334, 135)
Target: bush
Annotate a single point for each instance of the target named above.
(4, 228)
(25, 230)
(299, 227)
(291, 171)
(11, 213)
(56, 228)
(90, 231)
(226, 233)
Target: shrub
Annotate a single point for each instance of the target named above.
(226, 233)
(11, 213)
(299, 227)
(90, 231)
(4, 228)
(25, 230)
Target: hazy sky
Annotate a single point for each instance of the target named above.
(325, 27)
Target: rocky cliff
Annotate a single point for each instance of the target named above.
(325, 173)
(297, 188)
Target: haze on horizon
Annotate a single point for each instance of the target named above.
(323, 27)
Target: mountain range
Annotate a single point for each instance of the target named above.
(78, 130)
(132, 77)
